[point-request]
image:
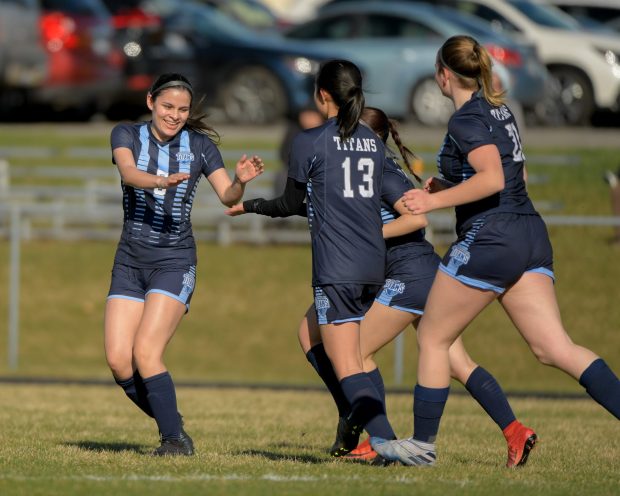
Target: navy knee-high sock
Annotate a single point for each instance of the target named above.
(428, 405)
(602, 385)
(485, 390)
(320, 361)
(136, 392)
(163, 400)
(377, 382)
(367, 409)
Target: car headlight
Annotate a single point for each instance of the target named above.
(304, 65)
(612, 58)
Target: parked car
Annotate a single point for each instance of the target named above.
(589, 13)
(85, 67)
(253, 13)
(147, 47)
(23, 60)
(250, 76)
(396, 43)
(584, 65)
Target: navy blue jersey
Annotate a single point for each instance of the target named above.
(343, 182)
(156, 226)
(475, 124)
(411, 245)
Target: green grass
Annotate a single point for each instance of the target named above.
(80, 440)
(242, 329)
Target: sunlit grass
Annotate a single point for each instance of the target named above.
(91, 440)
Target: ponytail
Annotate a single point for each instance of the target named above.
(471, 63)
(350, 113)
(343, 81)
(383, 127)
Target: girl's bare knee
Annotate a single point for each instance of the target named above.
(120, 364)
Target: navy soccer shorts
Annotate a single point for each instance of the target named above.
(408, 290)
(496, 250)
(408, 283)
(340, 303)
(135, 283)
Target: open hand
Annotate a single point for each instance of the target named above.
(173, 180)
(248, 168)
(235, 210)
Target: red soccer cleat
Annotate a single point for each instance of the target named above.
(365, 453)
(521, 440)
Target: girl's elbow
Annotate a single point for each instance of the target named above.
(499, 184)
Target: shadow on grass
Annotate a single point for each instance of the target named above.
(284, 457)
(112, 447)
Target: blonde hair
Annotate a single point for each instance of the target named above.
(472, 64)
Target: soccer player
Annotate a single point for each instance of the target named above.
(339, 166)
(410, 270)
(502, 252)
(160, 162)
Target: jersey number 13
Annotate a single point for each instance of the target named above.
(367, 167)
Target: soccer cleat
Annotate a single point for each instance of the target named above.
(407, 451)
(365, 453)
(347, 437)
(184, 441)
(187, 441)
(520, 443)
(173, 447)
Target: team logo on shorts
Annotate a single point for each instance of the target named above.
(321, 302)
(391, 288)
(189, 280)
(458, 256)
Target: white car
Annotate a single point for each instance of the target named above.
(592, 13)
(585, 66)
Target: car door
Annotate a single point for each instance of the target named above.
(399, 54)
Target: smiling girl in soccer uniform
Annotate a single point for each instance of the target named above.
(502, 252)
(339, 166)
(410, 270)
(154, 272)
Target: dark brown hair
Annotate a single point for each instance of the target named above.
(343, 81)
(383, 126)
(196, 121)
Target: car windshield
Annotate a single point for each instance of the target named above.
(545, 15)
(473, 25)
(209, 22)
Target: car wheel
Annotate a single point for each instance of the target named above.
(572, 100)
(429, 106)
(254, 95)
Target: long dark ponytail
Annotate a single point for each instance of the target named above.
(196, 121)
(343, 81)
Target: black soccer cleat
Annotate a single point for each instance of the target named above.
(174, 447)
(347, 438)
(184, 445)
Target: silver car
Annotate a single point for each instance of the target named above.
(395, 44)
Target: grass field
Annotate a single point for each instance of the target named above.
(80, 440)
(71, 439)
